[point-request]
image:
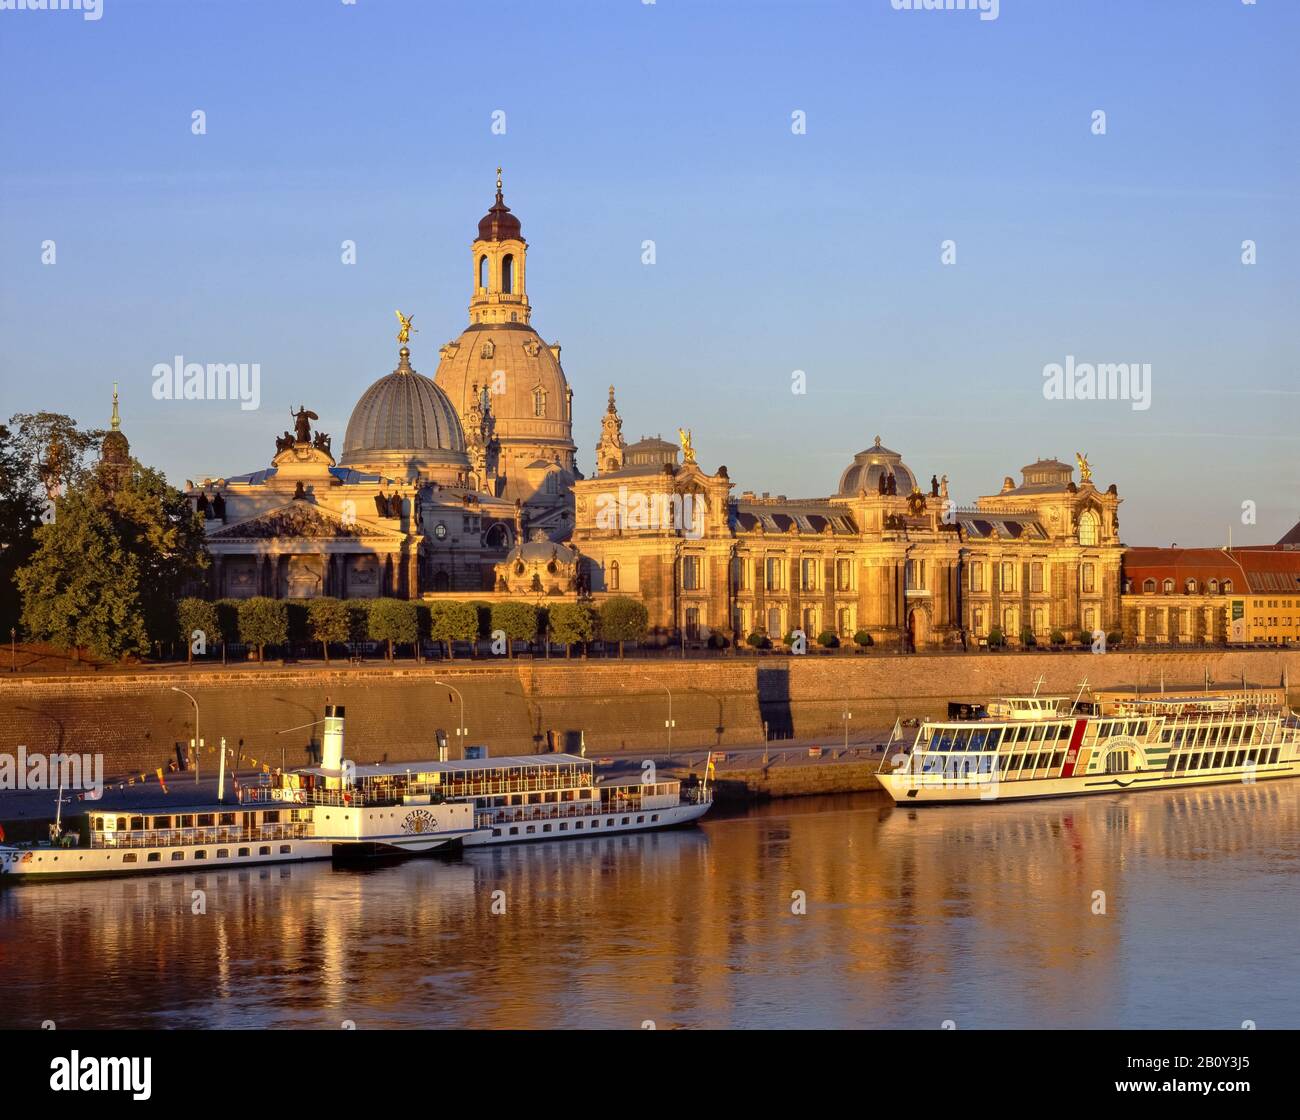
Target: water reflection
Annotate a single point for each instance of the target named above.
(984, 915)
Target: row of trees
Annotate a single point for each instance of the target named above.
(260, 622)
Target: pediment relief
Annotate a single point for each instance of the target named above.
(296, 520)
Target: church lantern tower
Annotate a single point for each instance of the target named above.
(500, 267)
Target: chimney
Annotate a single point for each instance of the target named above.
(331, 751)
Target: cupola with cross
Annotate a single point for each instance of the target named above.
(499, 253)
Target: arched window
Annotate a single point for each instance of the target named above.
(1227, 587)
(613, 575)
(508, 273)
(1148, 587)
(1214, 587)
(1167, 587)
(483, 272)
(539, 401)
(1089, 528)
(1190, 587)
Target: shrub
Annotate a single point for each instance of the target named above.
(1114, 638)
(623, 620)
(758, 641)
(1058, 639)
(828, 639)
(198, 615)
(718, 640)
(1027, 638)
(863, 639)
(263, 622)
(393, 620)
(996, 638)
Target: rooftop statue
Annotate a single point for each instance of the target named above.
(404, 335)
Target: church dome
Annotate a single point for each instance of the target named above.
(527, 386)
(868, 466)
(404, 419)
(498, 224)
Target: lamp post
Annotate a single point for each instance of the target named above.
(13, 649)
(198, 743)
(845, 716)
(462, 731)
(669, 723)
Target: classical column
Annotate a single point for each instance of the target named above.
(259, 574)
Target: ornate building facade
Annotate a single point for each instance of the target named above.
(468, 482)
(881, 555)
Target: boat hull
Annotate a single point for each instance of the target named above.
(921, 789)
(47, 864)
(593, 824)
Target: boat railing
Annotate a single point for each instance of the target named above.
(187, 837)
(340, 798)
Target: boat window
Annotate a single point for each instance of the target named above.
(271, 816)
(286, 849)
(97, 823)
(200, 854)
(137, 824)
(178, 855)
(227, 818)
(994, 737)
(264, 850)
(155, 857)
(205, 820)
(130, 857)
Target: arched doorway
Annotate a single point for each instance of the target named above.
(918, 629)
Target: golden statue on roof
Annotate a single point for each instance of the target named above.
(688, 449)
(404, 335)
(1085, 471)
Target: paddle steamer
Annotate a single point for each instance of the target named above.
(1047, 746)
(339, 810)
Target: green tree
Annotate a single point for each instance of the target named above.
(57, 450)
(197, 616)
(21, 503)
(81, 589)
(263, 622)
(138, 542)
(453, 622)
(572, 623)
(227, 623)
(863, 639)
(393, 620)
(996, 638)
(327, 620)
(517, 620)
(623, 620)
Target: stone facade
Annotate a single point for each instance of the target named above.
(907, 566)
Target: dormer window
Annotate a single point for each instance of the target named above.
(539, 401)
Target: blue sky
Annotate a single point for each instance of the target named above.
(775, 252)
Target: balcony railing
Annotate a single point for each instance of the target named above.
(187, 837)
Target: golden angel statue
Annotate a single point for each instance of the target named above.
(688, 451)
(404, 335)
(1085, 471)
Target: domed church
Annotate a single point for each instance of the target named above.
(438, 479)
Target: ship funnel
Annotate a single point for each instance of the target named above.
(331, 751)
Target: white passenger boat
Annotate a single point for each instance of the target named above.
(341, 811)
(1047, 746)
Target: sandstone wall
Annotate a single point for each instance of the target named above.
(523, 706)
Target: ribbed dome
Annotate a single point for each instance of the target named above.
(404, 418)
(867, 467)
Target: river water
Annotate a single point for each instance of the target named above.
(826, 912)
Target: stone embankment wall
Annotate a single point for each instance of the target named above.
(518, 707)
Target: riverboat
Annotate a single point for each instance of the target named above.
(1049, 746)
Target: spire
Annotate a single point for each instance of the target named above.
(500, 200)
(610, 446)
(115, 424)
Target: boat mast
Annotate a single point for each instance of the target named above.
(1082, 685)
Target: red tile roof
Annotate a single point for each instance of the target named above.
(1265, 569)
